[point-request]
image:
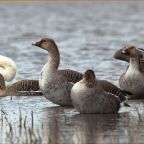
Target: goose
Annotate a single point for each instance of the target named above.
(132, 80)
(8, 84)
(54, 83)
(89, 97)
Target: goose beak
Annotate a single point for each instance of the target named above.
(123, 52)
(38, 44)
(120, 56)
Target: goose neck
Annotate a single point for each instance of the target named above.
(134, 63)
(54, 59)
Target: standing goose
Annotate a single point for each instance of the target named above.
(7, 75)
(56, 84)
(133, 79)
(88, 96)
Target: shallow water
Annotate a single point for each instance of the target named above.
(87, 34)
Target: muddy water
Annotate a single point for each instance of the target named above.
(87, 35)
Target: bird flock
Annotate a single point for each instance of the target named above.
(66, 87)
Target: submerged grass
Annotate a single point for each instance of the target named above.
(19, 132)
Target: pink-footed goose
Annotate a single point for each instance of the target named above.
(132, 81)
(9, 86)
(88, 96)
(55, 84)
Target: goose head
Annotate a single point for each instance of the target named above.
(46, 44)
(132, 52)
(89, 78)
(124, 57)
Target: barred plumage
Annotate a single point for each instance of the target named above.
(25, 85)
(28, 93)
(2, 83)
(90, 96)
(71, 76)
(56, 84)
(20, 88)
(109, 87)
(132, 80)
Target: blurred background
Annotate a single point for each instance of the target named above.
(87, 34)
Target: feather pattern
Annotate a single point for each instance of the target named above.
(2, 83)
(56, 84)
(25, 85)
(20, 88)
(71, 76)
(132, 80)
(93, 98)
(111, 88)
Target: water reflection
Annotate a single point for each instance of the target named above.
(77, 128)
(68, 126)
(95, 128)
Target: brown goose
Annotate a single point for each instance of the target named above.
(56, 84)
(132, 80)
(88, 96)
(20, 88)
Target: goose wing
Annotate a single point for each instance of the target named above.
(24, 88)
(111, 88)
(25, 85)
(71, 75)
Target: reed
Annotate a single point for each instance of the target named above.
(20, 132)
